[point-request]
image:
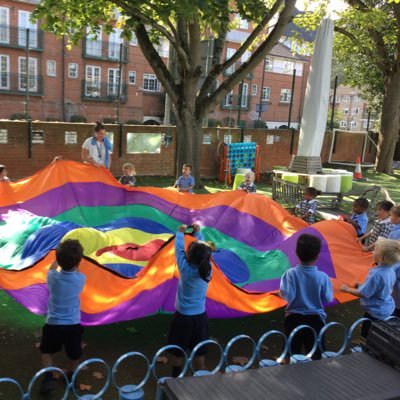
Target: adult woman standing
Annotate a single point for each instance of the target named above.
(97, 149)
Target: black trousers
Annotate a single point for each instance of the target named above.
(303, 339)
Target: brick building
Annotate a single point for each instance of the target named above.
(352, 111)
(81, 83)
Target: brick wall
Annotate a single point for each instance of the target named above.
(14, 154)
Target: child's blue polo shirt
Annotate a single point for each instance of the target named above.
(65, 288)
(395, 232)
(184, 183)
(192, 289)
(376, 292)
(362, 221)
(396, 287)
(306, 290)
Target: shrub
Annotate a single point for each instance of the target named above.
(17, 116)
(78, 118)
(212, 123)
(109, 120)
(134, 122)
(260, 124)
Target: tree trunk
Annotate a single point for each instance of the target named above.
(390, 122)
(189, 139)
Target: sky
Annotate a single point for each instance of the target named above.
(335, 5)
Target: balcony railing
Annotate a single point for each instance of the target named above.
(104, 50)
(235, 106)
(103, 91)
(11, 36)
(16, 84)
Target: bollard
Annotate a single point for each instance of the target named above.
(301, 358)
(16, 383)
(355, 348)
(268, 362)
(161, 380)
(102, 390)
(130, 392)
(42, 372)
(238, 368)
(331, 354)
(193, 356)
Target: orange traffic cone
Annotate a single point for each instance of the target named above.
(357, 172)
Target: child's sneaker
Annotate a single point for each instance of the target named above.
(48, 383)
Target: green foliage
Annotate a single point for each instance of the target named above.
(78, 118)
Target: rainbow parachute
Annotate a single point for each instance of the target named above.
(128, 233)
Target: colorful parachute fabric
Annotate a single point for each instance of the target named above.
(128, 239)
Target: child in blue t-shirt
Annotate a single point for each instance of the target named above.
(190, 324)
(395, 221)
(376, 291)
(306, 289)
(63, 321)
(359, 218)
(185, 183)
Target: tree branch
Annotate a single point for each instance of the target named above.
(252, 37)
(156, 62)
(258, 56)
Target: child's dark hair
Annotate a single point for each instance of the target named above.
(187, 166)
(199, 253)
(312, 191)
(69, 254)
(384, 205)
(99, 126)
(308, 247)
(362, 202)
(2, 168)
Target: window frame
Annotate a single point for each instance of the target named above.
(285, 96)
(53, 74)
(70, 69)
(7, 72)
(147, 77)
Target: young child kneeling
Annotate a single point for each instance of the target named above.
(376, 291)
(63, 319)
(189, 326)
(306, 289)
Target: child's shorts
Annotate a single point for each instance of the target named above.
(187, 331)
(56, 336)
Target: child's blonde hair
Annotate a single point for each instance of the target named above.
(252, 175)
(395, 211)
(129, 166)
(389, 250)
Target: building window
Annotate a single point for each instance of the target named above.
(266, 93)
(365, 124)
(229, 53)
(150, 82)
(353, 124)
(73, 70)
(114, 46)
(346, 98)
(288, 67)
(4, 71)
(286, 95)
(4, 25)
(92, 81)
(24, 23)
(337, 99)
(22, 75)
(254, 89)
(345, 111)
(355, 111)
(268, 64)
(133, 41)
(247, 139)
(93, 44)
(132, 77)
(112, 82)
(227, 102)
(245, 56)
(51, 68)
(245, 96)
(357, 98)
(343, 124)
(243, 24)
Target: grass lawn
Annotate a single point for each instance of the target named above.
(19, 329)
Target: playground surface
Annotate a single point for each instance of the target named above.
(20, 330)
